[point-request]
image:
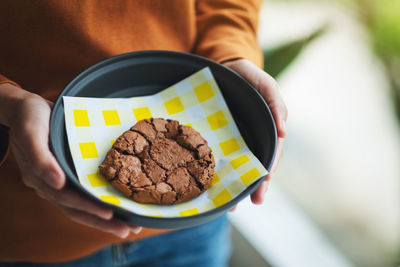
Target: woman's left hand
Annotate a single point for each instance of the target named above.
(269, 89)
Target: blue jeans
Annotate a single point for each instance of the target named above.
(206, 245)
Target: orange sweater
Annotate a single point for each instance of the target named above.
(45, 44)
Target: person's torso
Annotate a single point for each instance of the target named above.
(45, 44)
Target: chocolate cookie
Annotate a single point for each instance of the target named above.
(159, 161)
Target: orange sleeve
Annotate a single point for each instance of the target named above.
(227, 29)
(4, 142)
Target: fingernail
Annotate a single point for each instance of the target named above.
(265, 188)
(106, 215)
(123, 235)
(136, 230)
(283, 127)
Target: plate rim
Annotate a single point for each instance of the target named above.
(131, 55)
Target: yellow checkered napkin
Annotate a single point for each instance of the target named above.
(93, 124)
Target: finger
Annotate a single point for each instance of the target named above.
(45, 165)
(72, 199)
(113, 226)
(270, 91)
(135, 229)
(279, 154)
(50, 103)
(258, 196)
(35, 143)
(45, 169)
(233, 208)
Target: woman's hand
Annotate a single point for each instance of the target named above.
(269, 89)
(27, 115)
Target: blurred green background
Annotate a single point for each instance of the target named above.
(338, 64)
(381, 18)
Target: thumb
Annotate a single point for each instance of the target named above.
(267, 87)
(36, 144)
(49, 170)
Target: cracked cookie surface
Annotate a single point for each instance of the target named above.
(159, 161)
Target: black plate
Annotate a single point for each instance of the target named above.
(148, 72)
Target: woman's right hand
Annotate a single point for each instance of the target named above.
(28, 115)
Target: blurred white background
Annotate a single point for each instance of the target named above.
(334, 200)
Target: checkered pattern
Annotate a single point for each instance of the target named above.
(93, 124)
